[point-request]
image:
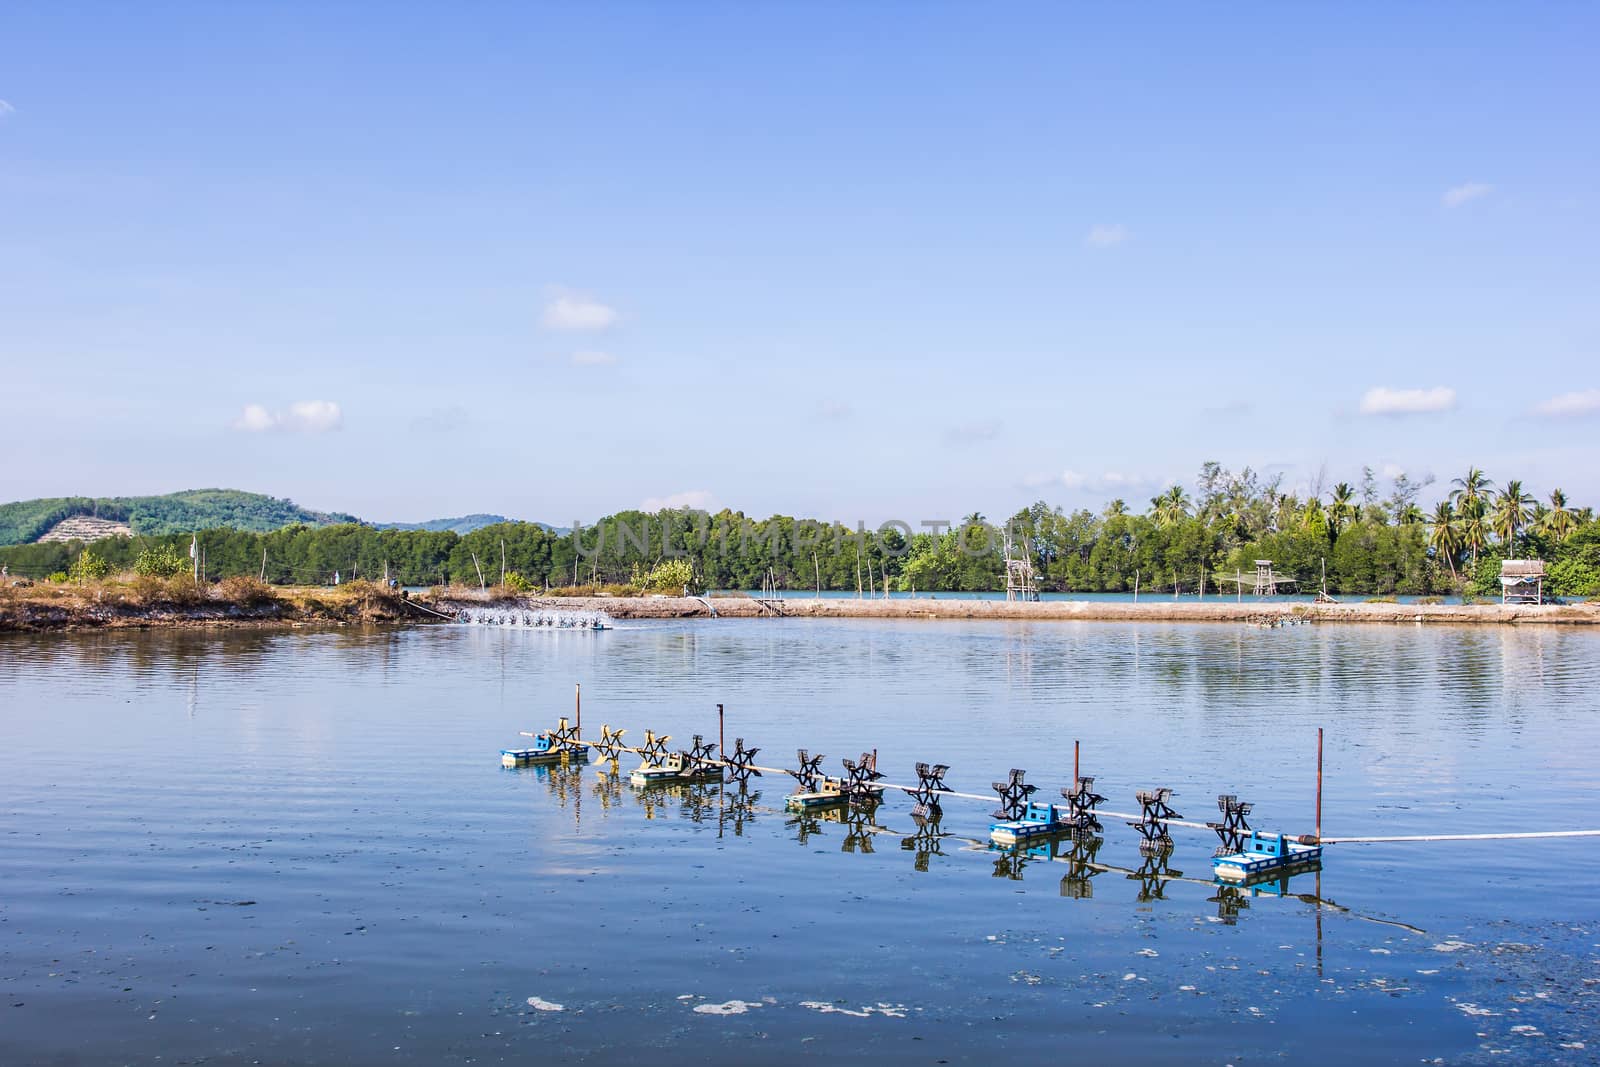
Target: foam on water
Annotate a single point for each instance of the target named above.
(535, 618)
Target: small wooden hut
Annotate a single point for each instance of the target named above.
(1522, 581)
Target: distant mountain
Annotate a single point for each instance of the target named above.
(26, 521)
(463, 525)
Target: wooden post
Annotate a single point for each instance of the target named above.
(1075, 764)
(502, 562)
(722, 740)
(263, 563)
(577, 699)
(1319, 785)
(818, 569)
(1136, 585)
(482, 586)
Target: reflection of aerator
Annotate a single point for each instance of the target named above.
(1244, 854)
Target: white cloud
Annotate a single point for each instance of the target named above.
(1106, 235)
(591, 358)
(1465, 194)
(571, 311)
(699, 499)
(303, 416)
(1392, 471)
(1571, 405)
(254, 419)
(1381, 400)
(6, 109)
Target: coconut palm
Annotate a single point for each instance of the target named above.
(1342, 509)
(1473, 486)
(1512, 509)
(1411, 515)
(1468, 497)
(1474, 531)
(1117, 507)
(1558, 520)
(1444, 534)
(1170, 506)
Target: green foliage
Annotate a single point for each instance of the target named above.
(463, 525)
(672, 575)
(57, 577)
(162, 561)
(88, 567)
(195, 509)
(516, 583)
(1372, 547)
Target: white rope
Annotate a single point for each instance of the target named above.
(1169, 822)
(1460, 837)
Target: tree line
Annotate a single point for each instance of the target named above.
(1365, 540)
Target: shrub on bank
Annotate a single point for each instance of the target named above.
(89, 567)
(162, 561)
(244, 591)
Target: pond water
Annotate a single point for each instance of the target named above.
(300, 847)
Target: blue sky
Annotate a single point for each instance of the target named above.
(856, 261)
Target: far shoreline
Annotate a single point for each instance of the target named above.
(55, 609)
(1246, 611)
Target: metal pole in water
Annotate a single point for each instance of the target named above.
(577, 698)
(1319, 784)
(722, 739)
(1075, 763)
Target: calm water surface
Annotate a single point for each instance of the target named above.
(300, 848)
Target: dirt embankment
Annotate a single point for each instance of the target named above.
(1086, 610)
(175, 603)
(245, 602)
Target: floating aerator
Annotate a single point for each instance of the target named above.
(741, 762)
(610, 745)
(1014, 794)
(930, 783)
(1152, 824)
(1233, 829)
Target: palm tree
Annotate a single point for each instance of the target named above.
(1444, 535)
(1170, 506)
(1341, 509)
(1470, 487)
(1558, 521)
(1511, 511)
(1116, 507)
(1410, 515)
(1468, 496)
(1474, 532)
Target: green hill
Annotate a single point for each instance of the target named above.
(463, 525)
(26, 521)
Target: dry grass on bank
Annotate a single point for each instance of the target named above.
(132, 600)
